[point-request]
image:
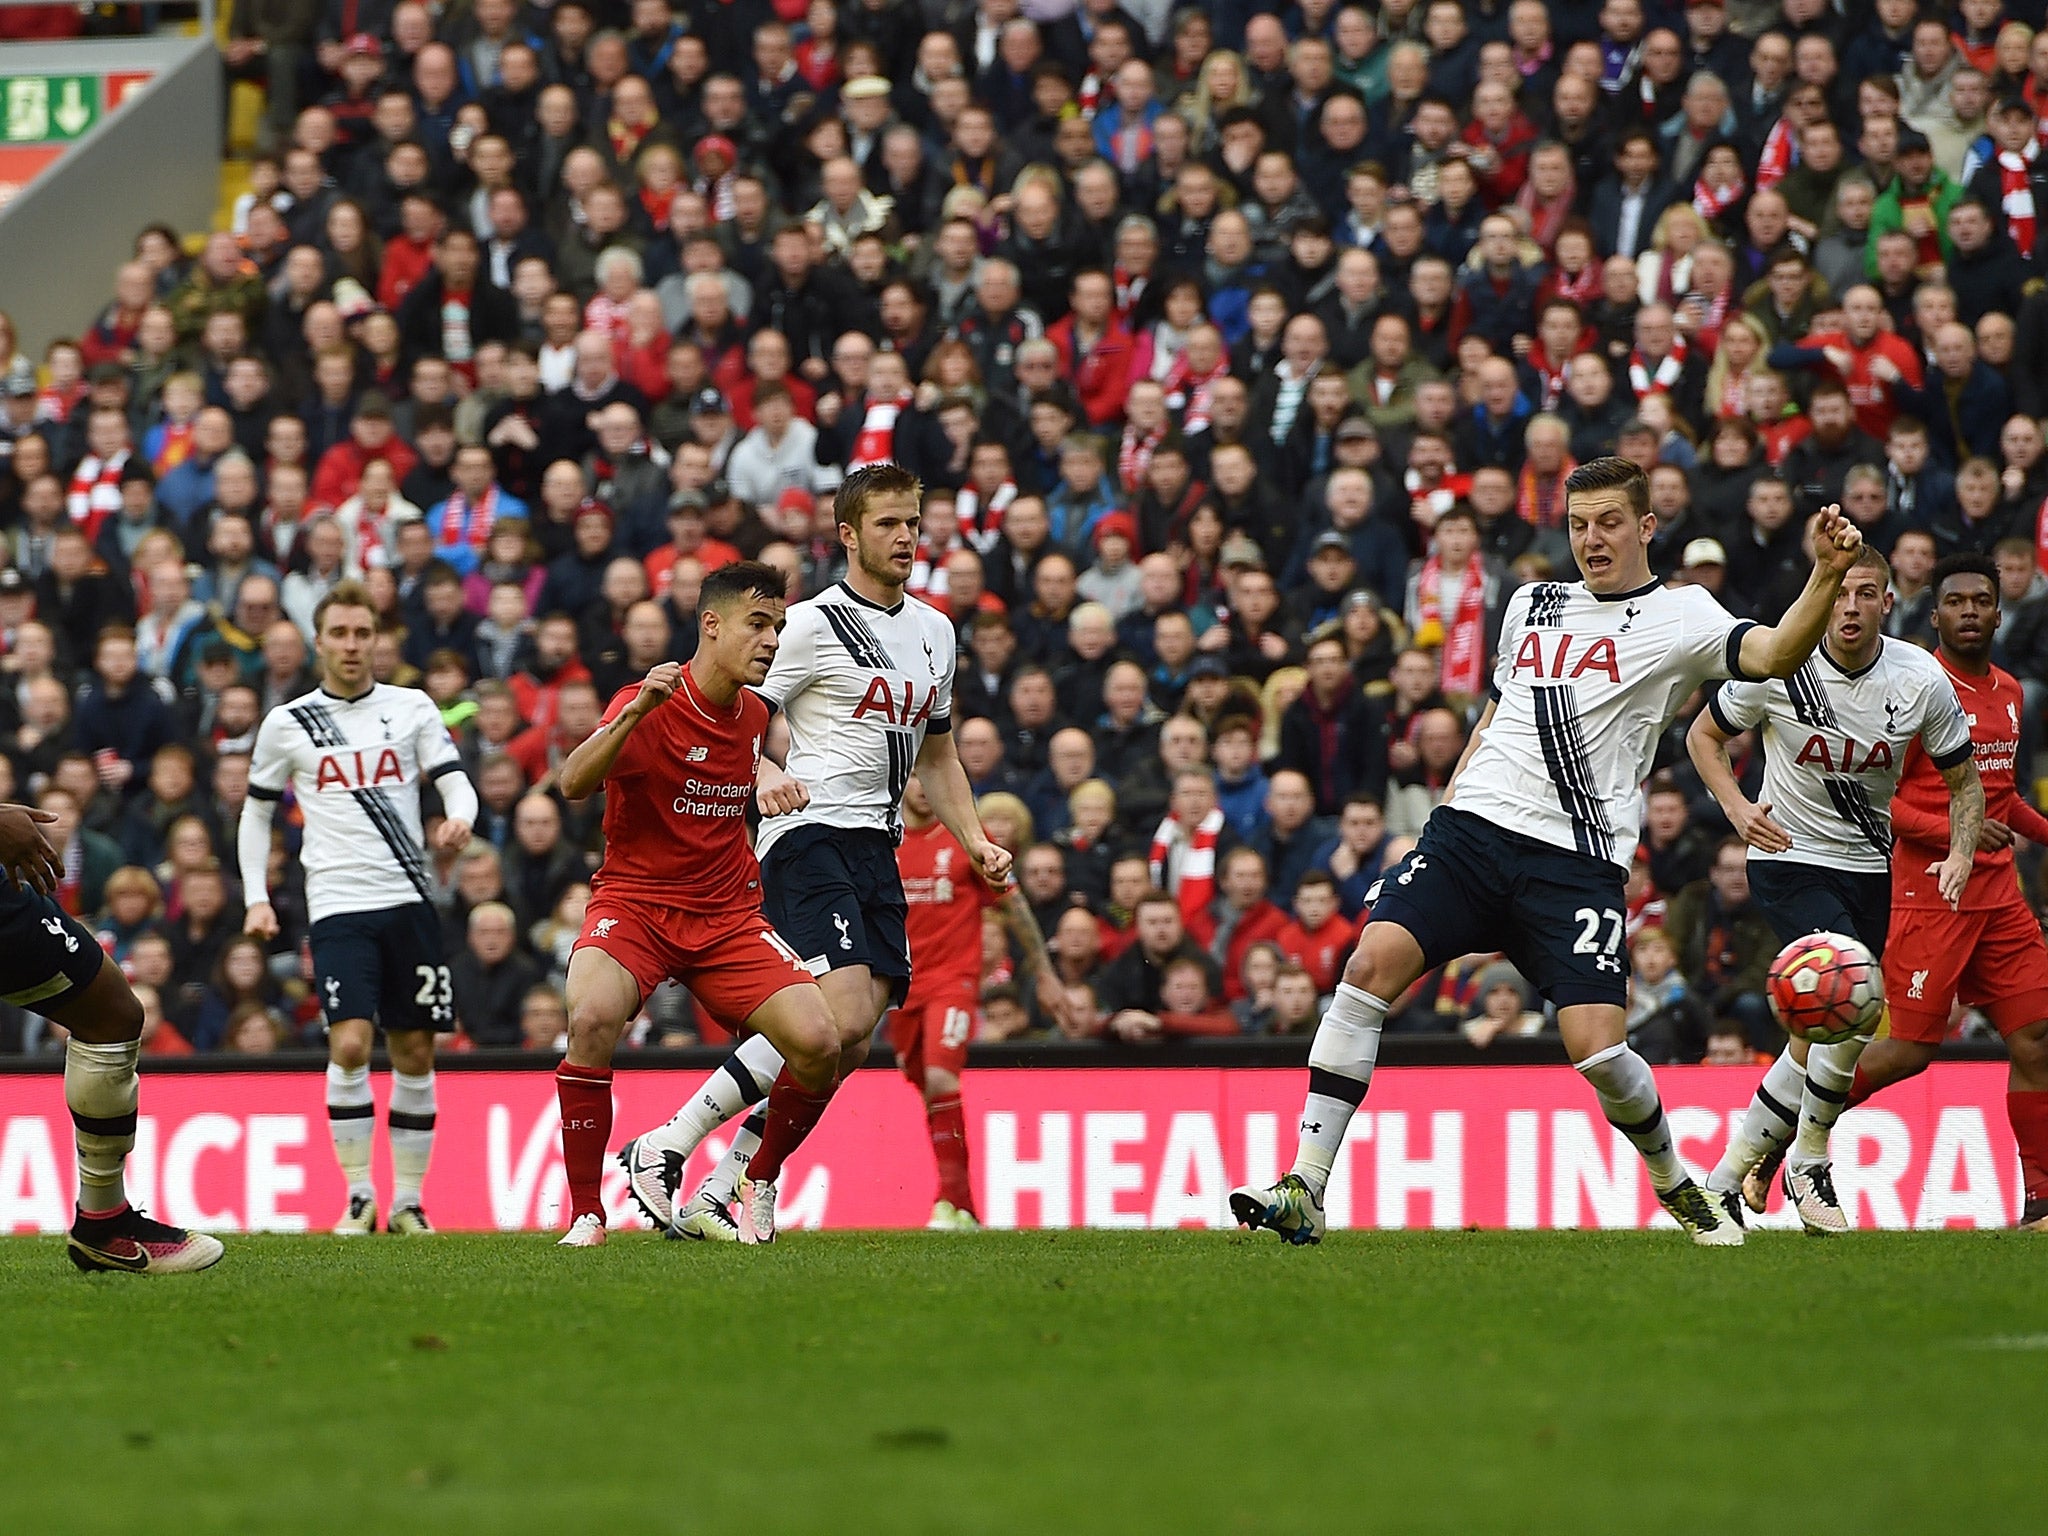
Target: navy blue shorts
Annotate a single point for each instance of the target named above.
(836, 896)
(45, 953)
(1470, 887)
(386, 967)
(1798, 899)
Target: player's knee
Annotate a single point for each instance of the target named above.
(593, 1024)
(2029, 1051)
(812, 1049)
(940, 1083)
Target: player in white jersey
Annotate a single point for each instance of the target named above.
(354, 753)
(864, 678)
(1834, 735)
(1529, 851)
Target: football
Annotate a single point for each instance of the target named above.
(1826, 987)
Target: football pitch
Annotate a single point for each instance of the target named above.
(1034, 1382)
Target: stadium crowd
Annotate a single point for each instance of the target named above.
(1243, 350)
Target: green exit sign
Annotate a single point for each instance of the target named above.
(40, 109)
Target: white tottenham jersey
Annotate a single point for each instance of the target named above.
(1585, 684)
(354, 766)
(861, 686)
(1834, 742)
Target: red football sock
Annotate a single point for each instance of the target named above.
(948, 1124)
(585, 1094)
(792, 1110)
(2028, 1112)
(1859, 1090)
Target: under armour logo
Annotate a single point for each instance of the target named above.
(58, 930)
(1312, 1127)
(1629, 616)
(1608, 963)
(845, 938)
(604, 927)
(696, 754)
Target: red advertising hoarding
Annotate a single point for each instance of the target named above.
(1443, 1147)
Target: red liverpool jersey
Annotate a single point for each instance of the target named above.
(946, 898)
(675, 804)
(1993, 704)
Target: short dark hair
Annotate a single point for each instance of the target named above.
(850, 504)
(1965, 562)
(1610, 473)
(745, 579)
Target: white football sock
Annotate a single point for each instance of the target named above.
(351, 1120)
(101, 1087)
(1340, 1063)
(1628, 1097)
(724, 1182)
(1773, 1117)
(411, 1127)
(741, 1081)
(1830, 1069)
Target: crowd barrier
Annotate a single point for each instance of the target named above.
(1506, 1146)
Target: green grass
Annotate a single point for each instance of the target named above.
(1041, 1382)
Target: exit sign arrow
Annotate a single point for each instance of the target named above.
(71, 113)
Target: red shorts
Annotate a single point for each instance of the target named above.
(935, 1029)
(732, 963)
(1993, 959)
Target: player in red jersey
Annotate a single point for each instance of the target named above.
(1989, 952)
(679, 892)
(947, 896)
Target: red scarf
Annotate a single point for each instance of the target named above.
(981, 523)
(1130, 287)
(1780, 154)
(1582, 287)
(95, 492)
(1539, 500)
(1712, 202)
(1191, 395)
(1197, 875)
(2016, 200)
(1547, 219)
(1554, 376)
(1668, 373)
(1136, 454)
(465, 523)
(1464, 639)
(876, 442)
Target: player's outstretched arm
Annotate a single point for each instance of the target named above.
(1965, 821)
(583, 771)
(1707, 744)
(1782, 649)
(952, 797)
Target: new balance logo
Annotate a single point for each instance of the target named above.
(845, 939)
(696, 754)
(605, 925)
(1917, 985)
(59, 931)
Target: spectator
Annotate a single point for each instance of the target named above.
(491, 978)
(1132, 982)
